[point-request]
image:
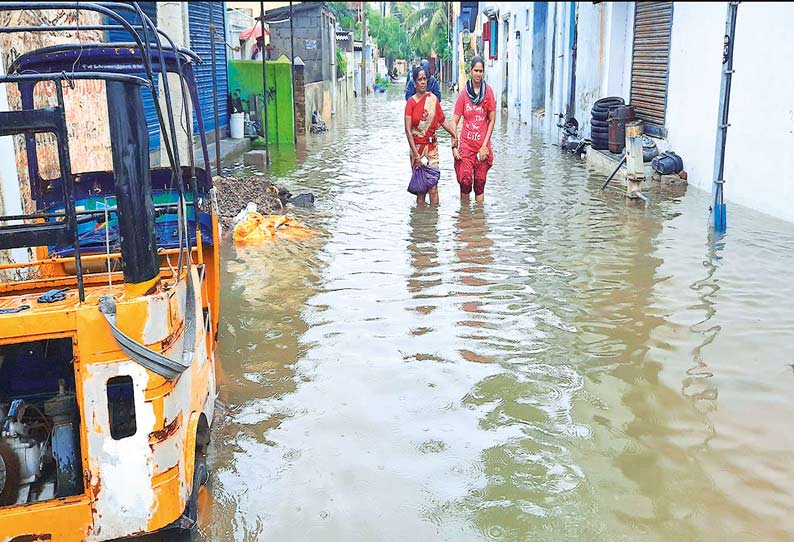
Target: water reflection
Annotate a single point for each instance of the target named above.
(474, 257)
(553, 365)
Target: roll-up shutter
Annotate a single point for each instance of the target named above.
(199, 15)
(122, 36)
(650, 64)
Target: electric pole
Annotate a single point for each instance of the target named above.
(363, 49)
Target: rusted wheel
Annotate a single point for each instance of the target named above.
(9, 475)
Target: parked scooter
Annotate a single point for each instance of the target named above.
(571, 141)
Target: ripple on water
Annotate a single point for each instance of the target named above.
(553, 365)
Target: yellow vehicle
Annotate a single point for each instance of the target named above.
(108, 332)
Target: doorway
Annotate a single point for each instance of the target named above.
(539, 16)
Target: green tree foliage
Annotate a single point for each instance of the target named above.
(428, 27)
(346, 18)
(389, 35)
(341, 63)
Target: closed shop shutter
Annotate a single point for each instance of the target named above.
(653, 23)
(122, 36)
(199, 15)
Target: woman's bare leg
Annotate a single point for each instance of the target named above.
(420, 199)
(434, 195)
(479, 198)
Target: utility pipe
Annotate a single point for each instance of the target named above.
(363, 51)
(292, 74)
(622, 161)
(718, 213)
(264, 80)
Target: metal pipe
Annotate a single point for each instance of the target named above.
(622, 161)
(718, 212)
(63, 76)
(292, 72)
(65, 163)
(264, 81)
(215, 91)
(363, 50)
(572, 94)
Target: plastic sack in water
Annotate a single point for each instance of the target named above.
(423, 179)
(257, 228)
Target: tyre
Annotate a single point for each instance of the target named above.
(599, 123)
(9, 475)
(606, 103)
(600, 133)
(599, 145)
(600, 115)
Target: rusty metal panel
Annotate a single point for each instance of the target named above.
(650, 63)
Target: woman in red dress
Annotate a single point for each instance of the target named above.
(476, 105)
(423, 116)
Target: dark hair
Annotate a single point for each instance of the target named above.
(416, 71)
(477, 59)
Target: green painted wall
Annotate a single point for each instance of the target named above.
(245, 78)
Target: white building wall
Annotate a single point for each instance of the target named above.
(693, 88)
(759, 156)
(589, 61)
(604, 50)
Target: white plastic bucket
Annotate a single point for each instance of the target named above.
(237, 124)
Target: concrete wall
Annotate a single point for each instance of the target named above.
(173, 19)
(318, 98)
(605, 34)
(693, 89)
(759, 157)
(314, 39)
(344, 95)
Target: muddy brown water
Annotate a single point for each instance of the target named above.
(554, 365)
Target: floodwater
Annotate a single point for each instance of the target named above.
(553, 365)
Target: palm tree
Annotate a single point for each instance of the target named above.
(427, 25)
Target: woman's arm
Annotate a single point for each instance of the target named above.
(409, 135)
(450, 128)
(455, 123)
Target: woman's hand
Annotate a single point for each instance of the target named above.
(455, 152)
(483, 152)
(416, 161)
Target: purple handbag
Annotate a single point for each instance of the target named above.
(423, 179)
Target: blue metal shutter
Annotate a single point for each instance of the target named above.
(199, 16)
(152, 123)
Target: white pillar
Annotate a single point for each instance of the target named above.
(172, 18)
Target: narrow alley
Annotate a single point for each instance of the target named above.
(554, 365)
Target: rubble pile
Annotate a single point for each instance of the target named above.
(234, 193)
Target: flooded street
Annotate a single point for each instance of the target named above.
(553, 365)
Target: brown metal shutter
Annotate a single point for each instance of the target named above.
(653, 23)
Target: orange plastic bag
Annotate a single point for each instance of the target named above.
(257, 228)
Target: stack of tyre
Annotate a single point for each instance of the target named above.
(599, 125)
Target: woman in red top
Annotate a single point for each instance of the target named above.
(423, 116)
(477, 106)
